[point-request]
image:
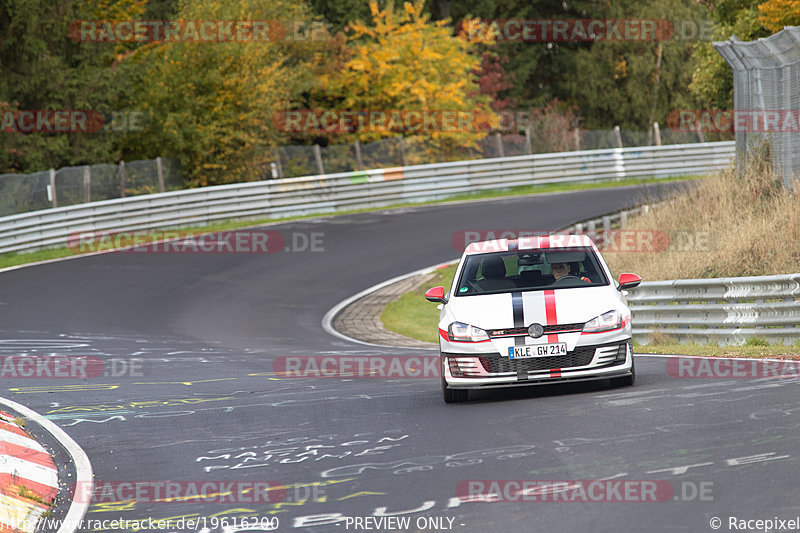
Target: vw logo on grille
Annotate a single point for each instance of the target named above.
(535, 330)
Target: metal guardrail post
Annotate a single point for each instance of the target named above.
(618, 136)
(657, 133)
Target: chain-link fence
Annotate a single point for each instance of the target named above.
(305, 160)
(20, 193)
(766, 97)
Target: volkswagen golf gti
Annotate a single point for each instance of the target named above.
(532, 311)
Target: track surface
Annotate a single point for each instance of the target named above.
(208, 328)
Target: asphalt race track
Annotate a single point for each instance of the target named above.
(206, 406)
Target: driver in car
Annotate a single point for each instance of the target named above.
(562, 269)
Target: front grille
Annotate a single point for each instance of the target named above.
(575, 358)
(548, 330)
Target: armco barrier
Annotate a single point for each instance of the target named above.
(718, 311)
(354, 190)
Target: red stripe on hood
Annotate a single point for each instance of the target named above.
(550, 312)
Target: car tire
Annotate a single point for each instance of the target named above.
(626, 381)
(454, 395)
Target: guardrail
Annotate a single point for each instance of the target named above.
(353, 190)
(720, 311)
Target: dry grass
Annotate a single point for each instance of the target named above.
(727, 225)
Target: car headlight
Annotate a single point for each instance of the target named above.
(458, 331)
(605, 322)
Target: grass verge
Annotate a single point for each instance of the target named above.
(730, 224)
(706, 350)
(14, 259)
(414, 316)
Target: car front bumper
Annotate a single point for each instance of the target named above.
(584, 363)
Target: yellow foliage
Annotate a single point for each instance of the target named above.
(402, 62)
(775, 14)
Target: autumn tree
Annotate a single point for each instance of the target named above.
(775, 14)
(400, 61)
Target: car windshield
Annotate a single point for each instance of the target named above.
(530, 270)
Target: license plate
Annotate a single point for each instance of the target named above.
(537, 350)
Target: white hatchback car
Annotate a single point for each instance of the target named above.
(533, 311)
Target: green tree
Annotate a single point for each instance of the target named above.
(44, 69)
(631, 82)
(212, 104)
(712, 78)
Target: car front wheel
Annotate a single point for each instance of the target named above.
(453, 395)
(626, 381)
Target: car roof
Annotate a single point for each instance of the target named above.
(530, 243)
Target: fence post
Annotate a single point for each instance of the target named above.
(499, 138)
(359, 161)
(623, 219)
(160, 172)
(53, 198)
(577, 134)
(528, 143)
(657, 133)
(318, 157)
(403, 151)
(618, 136)
(87, 184)
(122, 179)
(699, 131)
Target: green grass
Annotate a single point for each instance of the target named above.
(14, 259)
(709, 350)
(414, 316)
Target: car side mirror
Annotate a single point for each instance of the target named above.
(435, 295)
(628, 281)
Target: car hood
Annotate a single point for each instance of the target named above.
(547, 307)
